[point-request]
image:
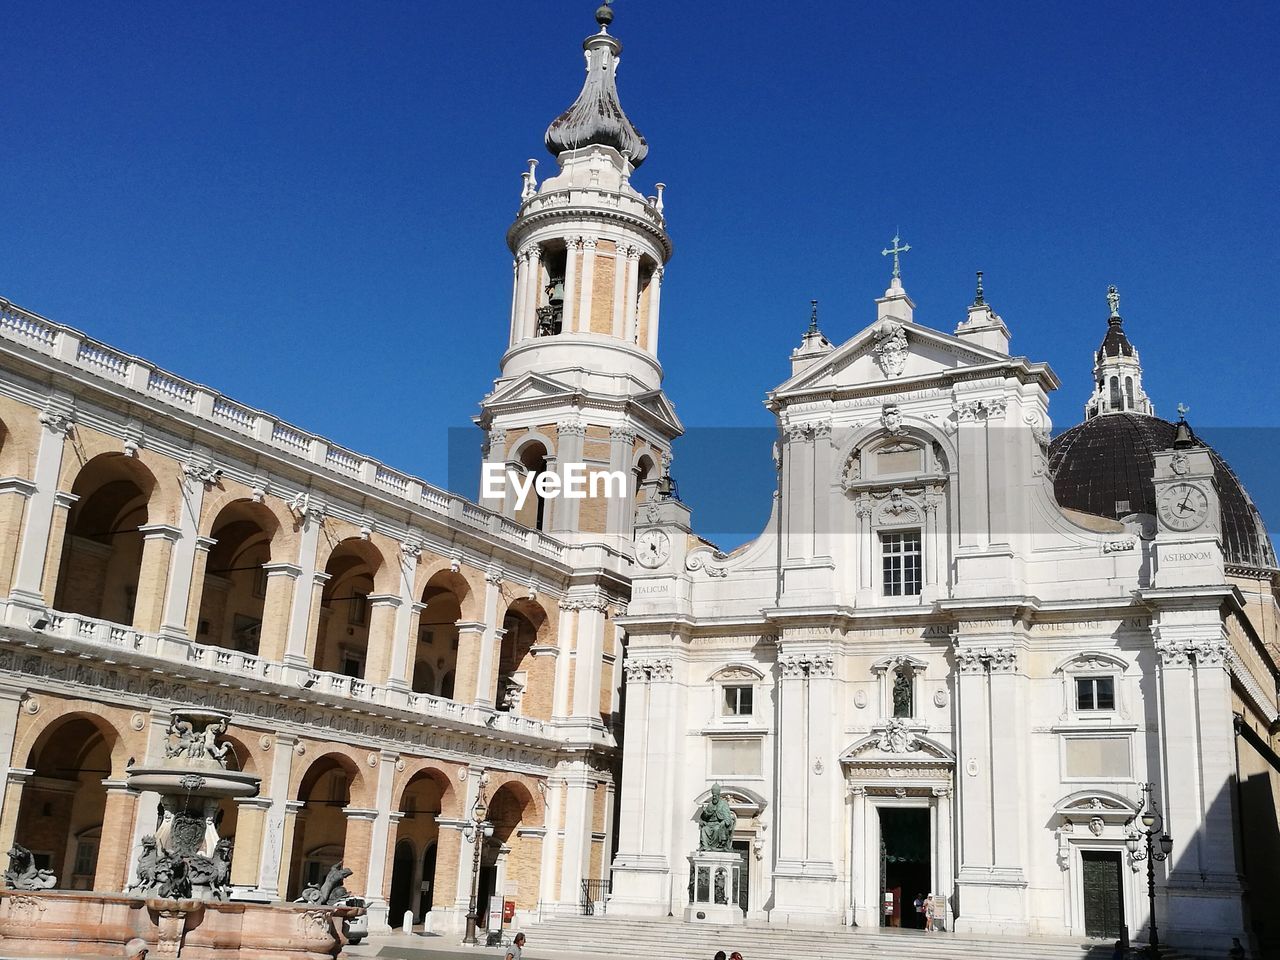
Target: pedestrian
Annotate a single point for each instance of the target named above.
(516, 950)
(1118, 952)
(720, 955)
(1237, 949)
(928, 914)
(136, 949)
(918, 903)
(735, 956)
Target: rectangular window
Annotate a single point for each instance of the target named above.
(1095, 693)
(358, 609)
(738, 701)
(86, 857)
(735, 758)
(902, 563)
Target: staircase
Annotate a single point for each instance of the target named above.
(670, 939)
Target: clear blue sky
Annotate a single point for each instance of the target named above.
(303, 204)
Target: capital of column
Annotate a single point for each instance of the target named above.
(18, 485)
(283, 569)
(385, 600)
(360, 813)
(160, 531)
(65, 499)
(205, 544)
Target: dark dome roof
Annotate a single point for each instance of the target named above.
(1110, 459)
(1115, 342)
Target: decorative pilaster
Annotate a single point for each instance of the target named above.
(158, 541)
(45, 522)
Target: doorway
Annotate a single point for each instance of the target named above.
(743, 849)
(1103, 896)
(427, 897)
(905, 864)
(401, 883)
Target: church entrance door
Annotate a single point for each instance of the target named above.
(1103, 899)
(905, 864)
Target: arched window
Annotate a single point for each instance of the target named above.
(533, 457)
(1116, 403)
(1128, 391)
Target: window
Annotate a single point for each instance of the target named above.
(86, 857)
(737, 701)
(260, 583)
(1115, 394)
(1095, 693)
(352, 664)
(358, 610)
(902, 563)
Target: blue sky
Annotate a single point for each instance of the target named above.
(303, 204)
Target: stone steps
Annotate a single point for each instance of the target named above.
(670, 939)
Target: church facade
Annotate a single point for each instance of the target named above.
(964, 662)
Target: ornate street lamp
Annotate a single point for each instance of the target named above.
(476, 832)
(1142, 843)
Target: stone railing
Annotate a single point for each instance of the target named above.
(115, 637)
(630, 203)
(74, 348)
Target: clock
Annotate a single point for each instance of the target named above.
(1183, 506)
(653, 547)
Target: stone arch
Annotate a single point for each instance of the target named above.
(324, 789)
(533, 454)
(524, 678)
(233, 589)
(100, 569)
(357, 570)
(935, 444)
(449, 600)
(283, 524)
(65, 809)
(514, 856)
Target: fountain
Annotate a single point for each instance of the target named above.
(185, 858)
(179, 902)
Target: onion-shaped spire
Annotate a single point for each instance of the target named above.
(596, 117)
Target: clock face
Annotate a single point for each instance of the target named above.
(653, 547)
(1183, 506)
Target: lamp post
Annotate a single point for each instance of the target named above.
(475, 833)
(1142, 843)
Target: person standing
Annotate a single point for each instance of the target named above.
(516, 950)
(720, 955)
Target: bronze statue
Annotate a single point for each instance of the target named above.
(715, 823)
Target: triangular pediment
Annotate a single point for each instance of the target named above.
(887, 353)
(531, 387)
(661, 409)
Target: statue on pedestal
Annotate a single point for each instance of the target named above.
(715, 823)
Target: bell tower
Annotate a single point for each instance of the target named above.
(580, 380)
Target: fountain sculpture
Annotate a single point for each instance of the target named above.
(185, 858)
(179, 901)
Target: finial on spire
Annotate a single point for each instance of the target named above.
(1183, 409)
(895, 250)
(1113, 298)
(1182, 436)
(813, 317)
(604, 14)
(978, 298)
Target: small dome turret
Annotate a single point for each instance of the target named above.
(597, 117)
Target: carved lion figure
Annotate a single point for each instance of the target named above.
(23, 874)
(330, 890)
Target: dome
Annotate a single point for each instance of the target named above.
(597, 117)
(1107, 462)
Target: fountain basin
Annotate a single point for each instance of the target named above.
(191, 781)
(64, 923)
